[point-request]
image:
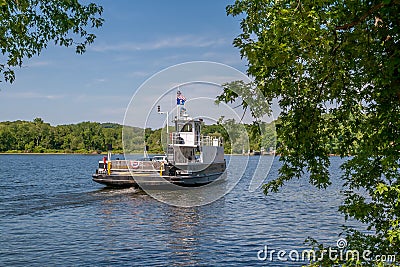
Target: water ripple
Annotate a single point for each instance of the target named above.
(51, 213)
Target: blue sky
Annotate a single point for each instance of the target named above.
(137, 40)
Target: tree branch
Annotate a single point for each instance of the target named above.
(354, 23)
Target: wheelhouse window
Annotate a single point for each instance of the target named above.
(187, 128)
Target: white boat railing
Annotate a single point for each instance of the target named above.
(136, 165)
(205, 140)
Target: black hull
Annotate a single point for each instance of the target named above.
(157, 182)
(115, 181)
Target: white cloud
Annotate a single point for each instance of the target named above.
(168, 42)
(31, 95)
(34, 64)
(139, 74)
(101, 98)
(113, 111)
(232, 59)
(96, 82)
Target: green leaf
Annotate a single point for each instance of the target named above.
(381, 188)
(32, 24)
(334, 68)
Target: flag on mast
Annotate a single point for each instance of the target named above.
(180, 98)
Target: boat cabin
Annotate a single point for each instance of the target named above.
(187, 145)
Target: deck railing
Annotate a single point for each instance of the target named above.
(205, 140)
(119, 165)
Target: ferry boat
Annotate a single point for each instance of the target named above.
(191, 159)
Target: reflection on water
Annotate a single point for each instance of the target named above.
(193, 196)
(53, 214)
(184, 234)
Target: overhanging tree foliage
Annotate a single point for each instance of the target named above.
(27, 27)
(334, 66)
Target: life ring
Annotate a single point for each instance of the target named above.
(135, 164)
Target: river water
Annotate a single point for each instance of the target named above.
(52, 214)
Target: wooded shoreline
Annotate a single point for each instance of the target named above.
(40, 137)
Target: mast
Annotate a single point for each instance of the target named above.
(167, 113)
(180, 104)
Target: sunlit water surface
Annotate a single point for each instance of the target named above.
(52, 214)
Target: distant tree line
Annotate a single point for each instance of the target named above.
(92, 137)
(39, 137)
